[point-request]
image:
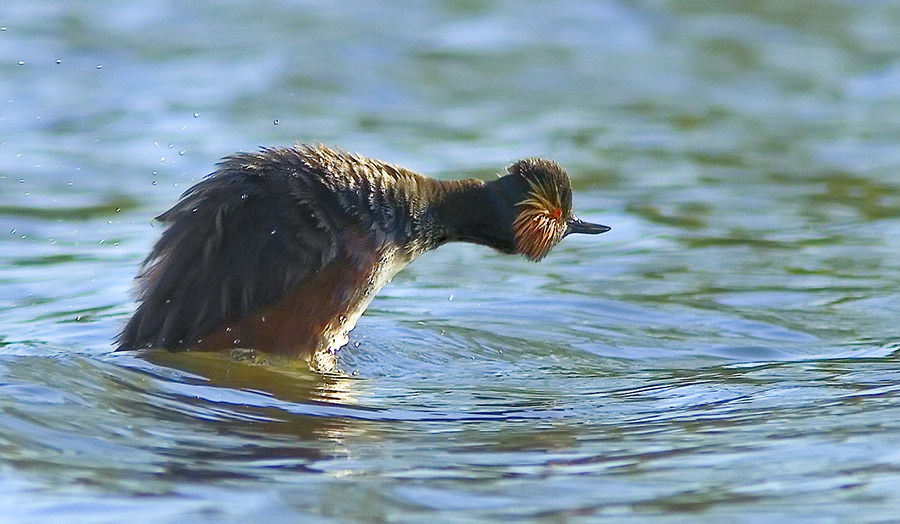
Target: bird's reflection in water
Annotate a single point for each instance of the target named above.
(260, 394)
(286, 379)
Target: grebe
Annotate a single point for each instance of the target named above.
(282, 250)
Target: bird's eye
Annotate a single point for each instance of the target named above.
(556, 213)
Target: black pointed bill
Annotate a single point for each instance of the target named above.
(576, 225)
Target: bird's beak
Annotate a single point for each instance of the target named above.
(576, 225)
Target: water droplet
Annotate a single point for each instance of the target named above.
(451, 297)
(181, 152)
(244, 196)
(99, 66)
(21, 62)
(228, 329)
(275, 122)
(237, 341)
(58, 61)
(356, 344)
(196, 115)
(12, 231)
(273, 232)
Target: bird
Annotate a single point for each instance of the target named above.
(281, 250)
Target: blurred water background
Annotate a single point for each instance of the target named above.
(727, 353)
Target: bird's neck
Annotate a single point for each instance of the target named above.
(477, 212)
(422, 213)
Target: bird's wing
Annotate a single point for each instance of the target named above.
(235, 242)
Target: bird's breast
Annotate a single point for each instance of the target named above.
(354, 301)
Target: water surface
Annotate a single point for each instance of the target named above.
(727, 351)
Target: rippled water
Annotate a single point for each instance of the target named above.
(727, 352)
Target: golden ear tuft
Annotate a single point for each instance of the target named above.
(541, 223)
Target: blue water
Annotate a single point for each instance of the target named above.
(728, 352)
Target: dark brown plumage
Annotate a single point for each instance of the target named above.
(282, 250)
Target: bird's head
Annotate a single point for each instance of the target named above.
(544, 213)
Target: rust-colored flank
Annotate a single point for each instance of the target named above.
(282, 250)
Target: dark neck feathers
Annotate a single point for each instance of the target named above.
(416, 211)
